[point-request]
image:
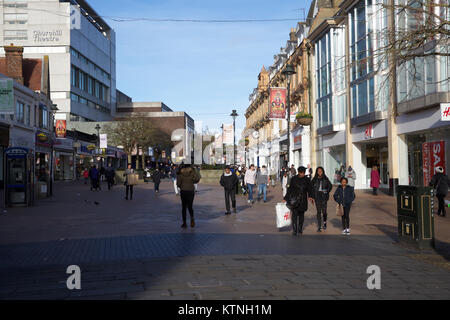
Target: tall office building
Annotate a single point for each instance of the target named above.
(81, 49)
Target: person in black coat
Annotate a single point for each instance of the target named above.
(228, 181)
(321, 187)
(156, 176)
(297, 199)
(344, 195)
(441, 183)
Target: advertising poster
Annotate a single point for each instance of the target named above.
(277, 104)
(60, 128)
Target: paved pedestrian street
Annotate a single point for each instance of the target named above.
(137, 250)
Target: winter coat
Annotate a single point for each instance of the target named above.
(109, 173)
(441, 183)
(374, 179)
(323, 195)
(262, 177)
(344, 197)
(156, 176)
(229, 182)
(186, 179)
(351, 176)
(299, 188)
(93, 173)
(250, 177)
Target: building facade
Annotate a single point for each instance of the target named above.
(369, 108)
(81, 49)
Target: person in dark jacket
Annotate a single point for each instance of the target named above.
(321, 187)
(441, 183)
(110, 174)
(186, 179)
(345, 195)
(228, 181)
(156, 177)
(297, 199)
(94, 174)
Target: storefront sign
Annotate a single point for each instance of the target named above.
(60, 128)
(368, 133)
(6, 96)
(445, 111)
(103, 141)
(277, 103)
(433, 154)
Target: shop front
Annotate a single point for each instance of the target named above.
(370, 148)
(64, 159)
(43, 165)
(428, 145)
(332, 155)
(84, 157)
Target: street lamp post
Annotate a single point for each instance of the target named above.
(97, 127)
(234, 115)
(288, 71)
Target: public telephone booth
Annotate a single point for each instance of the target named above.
(19, 177)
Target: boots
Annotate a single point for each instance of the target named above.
(184, 226)
(192, 222)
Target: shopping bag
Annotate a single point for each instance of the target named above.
(283, 215)
(339, 210)
(133, 179)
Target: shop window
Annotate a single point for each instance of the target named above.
(20, 112)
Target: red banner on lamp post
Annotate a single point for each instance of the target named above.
(277, 103)
(433, 156)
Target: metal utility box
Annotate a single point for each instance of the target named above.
(415, 215)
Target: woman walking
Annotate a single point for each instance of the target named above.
(344, 196)
(262, 179)
(441, 183)
(375, 180)
(129, 187)
(250, 181)
(321, 187)
(186, 179)
(156, 176)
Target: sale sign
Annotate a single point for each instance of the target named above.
(433, 155)
(277, 103)
(60, 128)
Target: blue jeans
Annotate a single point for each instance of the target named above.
(250, 191)
(262, 188)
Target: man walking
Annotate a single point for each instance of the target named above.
(94, 174)
(297, 199)
(441, 183)
(156, 176)
(228, 181)
(173, 176)
(128, 185)
(110, 174)
(250, 180)
(262, 179)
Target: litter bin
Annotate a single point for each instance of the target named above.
(415, 215)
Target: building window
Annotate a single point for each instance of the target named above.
(15, 3)
(15, 18)
(28, 115)
(20, 112)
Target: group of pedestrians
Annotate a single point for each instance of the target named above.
(302, 189)
(96, 176)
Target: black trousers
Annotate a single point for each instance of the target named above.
(110, 183)
(157, 186)
(230, 194)
(441, 201)
(187, 200)
(298, 217)
(346, 218)
(375, 191)
(130, 189)
(321, 206)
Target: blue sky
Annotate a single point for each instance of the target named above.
(204, 69)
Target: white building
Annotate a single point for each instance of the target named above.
(81, 49)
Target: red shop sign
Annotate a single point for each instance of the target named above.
(433, 154)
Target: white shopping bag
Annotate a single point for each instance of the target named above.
(283, 215)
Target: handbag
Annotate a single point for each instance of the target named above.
(294, 201)
(133, 179)
(339, 210)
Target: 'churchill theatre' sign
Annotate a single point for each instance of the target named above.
(47, 36)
